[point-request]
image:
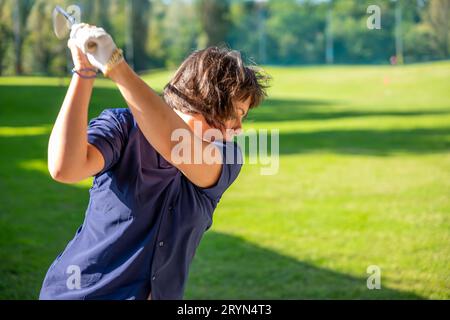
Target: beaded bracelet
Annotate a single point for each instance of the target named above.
(78, 72)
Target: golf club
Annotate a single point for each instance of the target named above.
(63, 23)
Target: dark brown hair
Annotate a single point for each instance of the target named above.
(210, 80)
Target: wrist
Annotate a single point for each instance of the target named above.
(115, 59)
(118, 71)
(78, 77)
(85, 73)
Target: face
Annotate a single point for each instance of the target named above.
(233, 127)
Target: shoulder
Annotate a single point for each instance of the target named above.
(119, 118)
(232, 161)
(231, 152)
(122, 115)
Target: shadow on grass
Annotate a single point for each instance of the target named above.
(276, 110)
(39, 105)
(228, 267)
(369, 142)
(38, 217)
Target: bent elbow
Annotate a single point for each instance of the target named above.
(57, 176)
(61, 177)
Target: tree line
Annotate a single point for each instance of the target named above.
(161, 33)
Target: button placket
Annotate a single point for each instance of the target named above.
(161, 243)
(170, 209)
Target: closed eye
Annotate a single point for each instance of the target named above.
(245, 115)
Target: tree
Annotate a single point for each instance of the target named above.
(101, 13)
(156, 48)
(22, 9)
(5, 33)
(180, 32)
(159, 33)
(139, 19)
(354, 42)
(296, 31)
(437, 17)
(245, 16)
(117, 21)
(43, 51)
(215, 21)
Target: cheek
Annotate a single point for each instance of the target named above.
(229, 133)
(229, 124)
(233, 124)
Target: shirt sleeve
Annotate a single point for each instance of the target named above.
(109, 133)
(232, 161)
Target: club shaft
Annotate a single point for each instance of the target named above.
(66, 15)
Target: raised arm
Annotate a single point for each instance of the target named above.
(155, 118)
(70, 157)
(157, 121)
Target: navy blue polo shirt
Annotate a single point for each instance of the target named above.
(143, 223)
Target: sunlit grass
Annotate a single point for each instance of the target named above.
(40, 166)
(23, 131)
(364, 179)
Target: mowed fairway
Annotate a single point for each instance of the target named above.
(364, 179)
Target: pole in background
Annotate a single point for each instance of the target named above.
(329, 41)
(398, 32)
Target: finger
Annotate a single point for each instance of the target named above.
(89, 38)
(72, 45)
(91, 46)
(81, 39)
(74, 30)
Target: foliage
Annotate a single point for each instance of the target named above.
(161, 33)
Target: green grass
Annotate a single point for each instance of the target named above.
(364, 179)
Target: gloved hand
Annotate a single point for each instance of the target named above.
(95, 43)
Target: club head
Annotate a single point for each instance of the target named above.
(62, 22)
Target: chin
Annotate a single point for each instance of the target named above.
(229, 138)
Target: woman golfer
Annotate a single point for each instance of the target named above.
(160, 168)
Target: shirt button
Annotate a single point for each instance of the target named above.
(154, 277)
(161, 243)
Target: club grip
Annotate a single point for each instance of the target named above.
(91, 47)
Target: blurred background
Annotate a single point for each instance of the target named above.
(161, 33)
(364, 122)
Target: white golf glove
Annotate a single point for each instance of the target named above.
(95, 42)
